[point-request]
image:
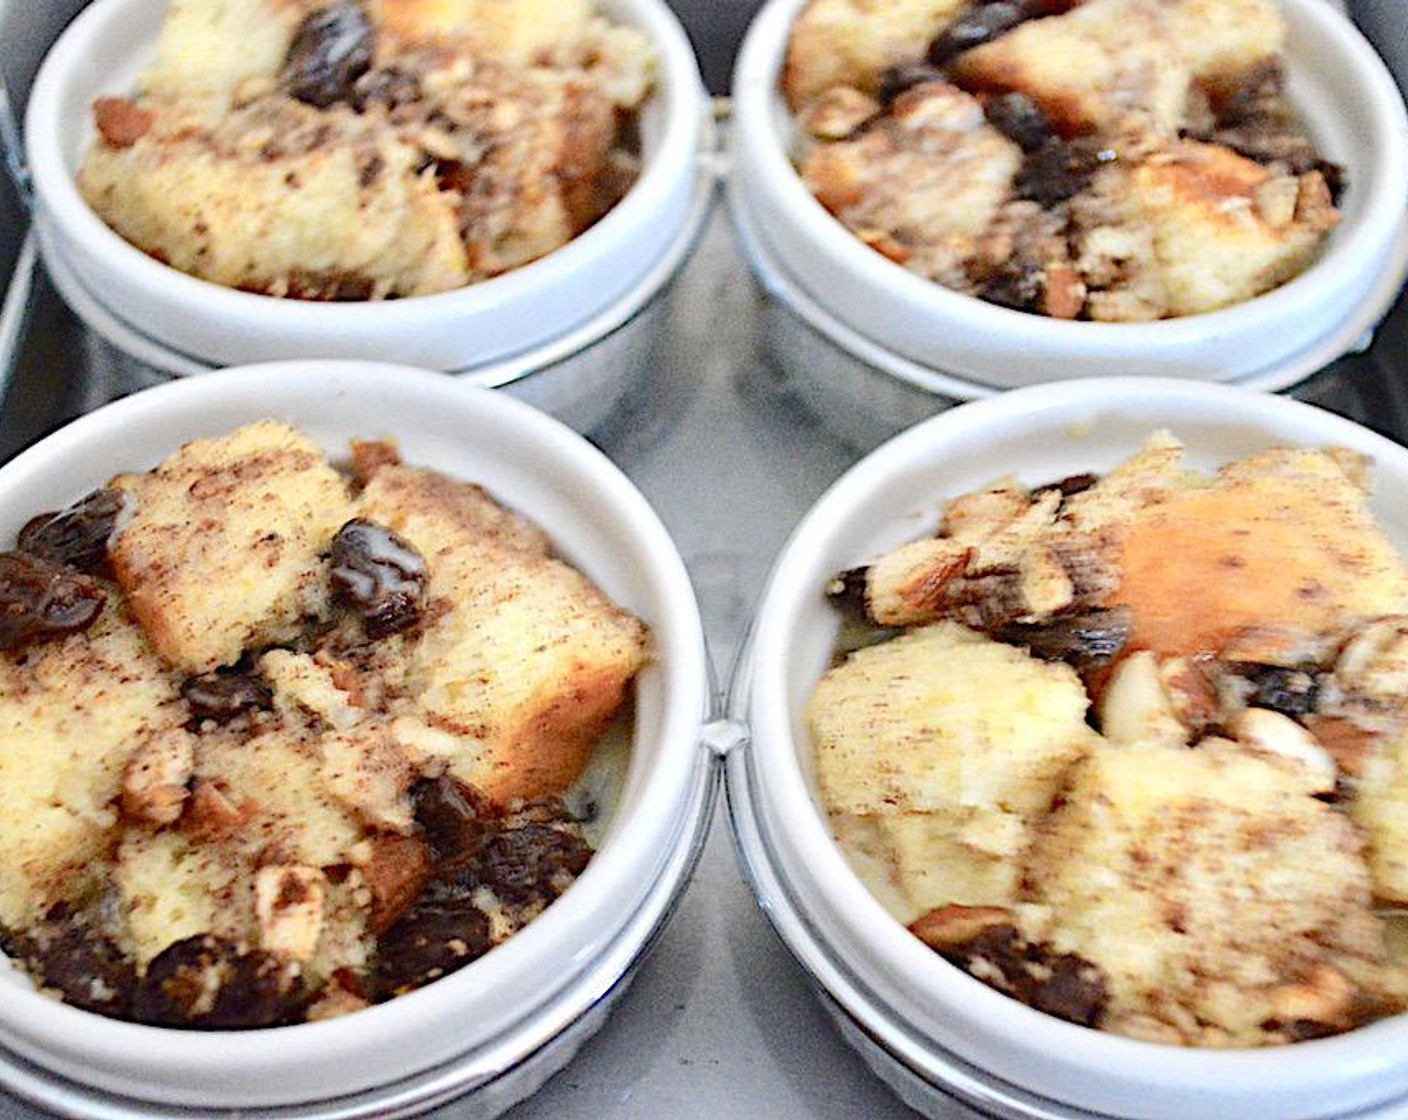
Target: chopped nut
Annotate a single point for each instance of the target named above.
(1136, 707)
(1374, 664)
(210, 814)
(288, 903)
(1272, 733)
(1346, 742)
(1275, 200)
(1063, 294)
(154, 781)
(951, 925)
(395, 873)
(120, 122)
(838, 112)
(908, 585)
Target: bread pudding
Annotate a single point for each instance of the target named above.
(1130, 747)
(1114, 160)
(282, 740)
(369, 149)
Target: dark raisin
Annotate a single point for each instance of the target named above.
(1070, 485)
(388, 86)
(847, 590)
(41, 600)
(76, 536)
(976, 26)
(85, 967)
(1018, 286)
(452, 816)
(1085, 640)
(1293, 692)
(896, 79)
(430, 940)
(1060, 984)
(1059, 171)
(331, 49)
(226, 694)
(380, 575)
(532, 864)
(211, 982)
(1021, 120)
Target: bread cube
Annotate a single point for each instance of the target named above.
(71, 712)
(521, 656)
(282, 199)
(223, 551)
(848, 42)
(953, 745)
(1224, 227)
(1222, 899)
(1103, 66)
(923, 184)
(1281, 544)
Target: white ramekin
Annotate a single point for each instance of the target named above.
(498, 1027)
(934, 1032)
(183, 324)
(1353, 110)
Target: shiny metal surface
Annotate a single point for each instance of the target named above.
(720, 1021)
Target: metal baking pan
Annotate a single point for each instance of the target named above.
(721, 1021)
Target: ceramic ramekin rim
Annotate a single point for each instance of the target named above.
(678, 85)
(895, 965)
(613, 883)
(771, 175)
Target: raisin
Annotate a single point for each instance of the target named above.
(1086, 640)
(847, 590)
(451, 815)
(1070, 485)
(1021, 120)
(226, 694)
(76, 536)
(430, 940)
(211, 982)
(896, 79)
(85, 967)
(331, 49)
(1018, 286)
(380, 575)
(1292, 692)
(41, 600)
(1059, 170)
(532, 864)
(1060, 984)
(976, 26)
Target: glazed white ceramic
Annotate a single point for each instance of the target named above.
(1353, 110)
(515, 999)
(105, 49)
(936, 1025)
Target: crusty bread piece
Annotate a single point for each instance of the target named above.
(1280, 543)
(514, 29)
(282, 199)
(223, 548)
(521, 656)
(849, 42)
(71, 712)
(1104, 65)
(1225, 903)
(1224, 40)
(954, 745)
(196, 54)
(923, 184)
(1224, 228)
